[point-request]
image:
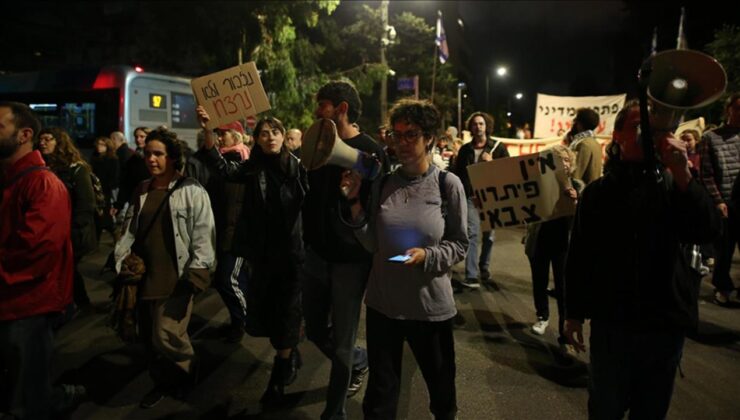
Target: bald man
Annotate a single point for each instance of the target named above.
(293, 140)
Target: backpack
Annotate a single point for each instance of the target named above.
(100, 202)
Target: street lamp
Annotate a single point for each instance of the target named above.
(460, 87)
(519, 96)
(501, 71)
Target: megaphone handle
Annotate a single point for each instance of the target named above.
(646, 135)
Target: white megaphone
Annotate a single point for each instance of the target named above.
(683, 80)
(322, 146)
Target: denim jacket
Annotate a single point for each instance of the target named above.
(192, 220)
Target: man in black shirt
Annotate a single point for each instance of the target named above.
(337, 266)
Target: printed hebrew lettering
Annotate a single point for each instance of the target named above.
(512, 214)
(547, 160)
(210, 90)
(561, 109)
(531, 187)
(493, 191)
(511, 189)
(493, 218)
(531, 212)
(571, 111)
(246, 103)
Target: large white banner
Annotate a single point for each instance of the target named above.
(554, 114)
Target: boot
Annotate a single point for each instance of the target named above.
(291, 373)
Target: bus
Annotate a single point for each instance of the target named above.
(94, 102)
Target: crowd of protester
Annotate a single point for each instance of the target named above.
(286, 247)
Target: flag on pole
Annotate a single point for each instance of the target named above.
(681, 39)
(441, 40)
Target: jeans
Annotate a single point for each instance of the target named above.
(632, 371)
(472, 262)
(26, 346)
(433, 346)
(332, 299)
(231, 284)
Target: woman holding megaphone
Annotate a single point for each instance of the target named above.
(268, 239)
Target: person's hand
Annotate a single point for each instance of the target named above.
(486, 157)
(674, 156)
(571, 193)
(350, 184)
(418, 255)
(722, 207)
(113, 212)
(573, 331)
(203, 117)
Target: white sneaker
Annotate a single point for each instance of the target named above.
(540, 326)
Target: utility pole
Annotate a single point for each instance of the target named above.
(383, 44)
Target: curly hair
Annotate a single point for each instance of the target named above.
(565, 151)
(419, 112)
(488, 118)
(172, 144)
(65, 153)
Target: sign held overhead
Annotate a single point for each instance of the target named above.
(230, 95)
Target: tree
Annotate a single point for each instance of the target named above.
(724, 48)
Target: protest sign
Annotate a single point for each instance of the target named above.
(521, 189)
(231, 94)
(554, 114)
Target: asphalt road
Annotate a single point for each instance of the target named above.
(503, 370)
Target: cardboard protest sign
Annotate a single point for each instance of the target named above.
(231, 94)
(521, 189)
(554, 114)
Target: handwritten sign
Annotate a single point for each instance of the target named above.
(554, 114)
(521, 189)
(231, 94)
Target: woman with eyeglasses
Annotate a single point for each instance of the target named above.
(416, 226)
(268, 241)
(65, 161)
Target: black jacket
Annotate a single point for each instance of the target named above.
(466, 156)
(269, 228)
(325, 232)
(628, 261)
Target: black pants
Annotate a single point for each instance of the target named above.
(540, 266)
(26, 346)
(433, 346)
(274, 303)
(724, 248)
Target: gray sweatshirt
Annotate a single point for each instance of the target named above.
(410, 216)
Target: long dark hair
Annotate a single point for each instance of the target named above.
(258, 154)
(65, 153)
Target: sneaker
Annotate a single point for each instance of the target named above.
(485, 275)
(355, 383)
(721, 298)
(568, 350)
(703, 270)
(540, 326)
(152, 397)
(470, 283)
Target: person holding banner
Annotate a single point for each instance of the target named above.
(547, 244)
(415, 226)
(482, 148)
(589, 162)
(629, 270)
(268, 241)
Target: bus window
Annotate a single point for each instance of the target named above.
(183, 111)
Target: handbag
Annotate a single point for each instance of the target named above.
(123, 318)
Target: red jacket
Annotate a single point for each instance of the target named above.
(35, 249)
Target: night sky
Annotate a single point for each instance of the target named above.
(574, 48)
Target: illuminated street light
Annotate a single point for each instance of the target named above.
(519, 95)
(501, 71)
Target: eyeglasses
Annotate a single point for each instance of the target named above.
(46, 139)
(408, 137)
